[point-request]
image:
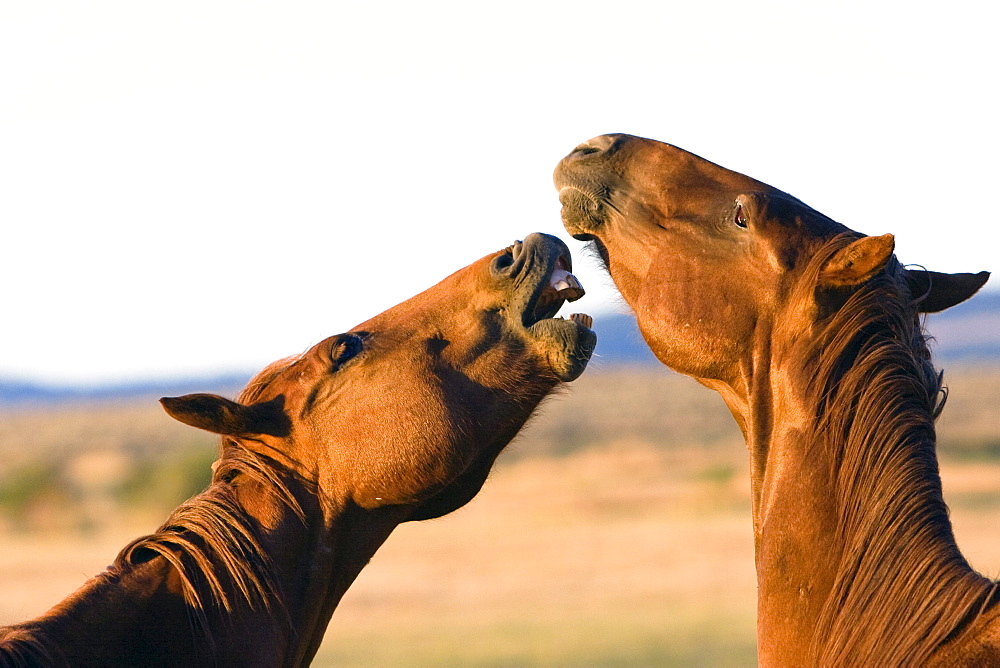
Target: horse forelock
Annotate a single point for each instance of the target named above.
(897, 595)
(260, 382)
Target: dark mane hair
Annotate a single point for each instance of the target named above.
(20, 648)
(901, 588)
(212, 542)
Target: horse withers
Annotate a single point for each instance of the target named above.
(322, 456)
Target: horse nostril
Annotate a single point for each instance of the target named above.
(595, 145)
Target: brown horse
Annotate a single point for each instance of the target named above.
(810, 332)
(322, 456)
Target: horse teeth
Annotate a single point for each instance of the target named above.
(566, 285)
(561, 277)
(582, 318)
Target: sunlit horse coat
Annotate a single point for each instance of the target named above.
(323, 455)
(810, 332)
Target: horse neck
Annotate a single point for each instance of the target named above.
(312, 539)
(124, 616)
(252, 585)
(315, 543)
(317, 575)
(851, 531)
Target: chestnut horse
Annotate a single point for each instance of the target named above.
(322, 456)
(811, 334)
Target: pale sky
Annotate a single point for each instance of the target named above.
(192, 187)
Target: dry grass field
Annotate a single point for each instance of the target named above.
(615, 531)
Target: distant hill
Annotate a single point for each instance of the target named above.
(968, 333)
(619, 342)
(22, 393)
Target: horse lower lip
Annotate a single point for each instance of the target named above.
(568, 344)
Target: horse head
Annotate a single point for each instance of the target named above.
(710, 259)
(410, 408)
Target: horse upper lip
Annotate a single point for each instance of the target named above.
(566, 285)
(583, 210)
(565, 192)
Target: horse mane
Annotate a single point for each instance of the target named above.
(210, 540)
(20, 648)
(900, 588)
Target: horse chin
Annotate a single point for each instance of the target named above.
(568, 344)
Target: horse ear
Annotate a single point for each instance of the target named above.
(857, 262)
(222, 416)
(935, 291)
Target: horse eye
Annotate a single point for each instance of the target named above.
(344, 348)
(740, 218)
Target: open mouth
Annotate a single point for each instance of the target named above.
(540, 269)
(557, 286)
(561, 287)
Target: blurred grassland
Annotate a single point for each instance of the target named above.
(614, 531)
